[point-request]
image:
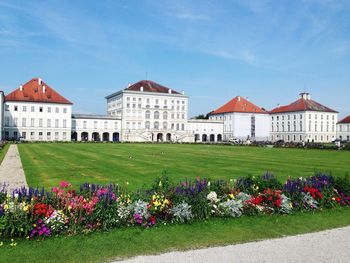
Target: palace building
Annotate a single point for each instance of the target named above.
(149, 112)
(242, 120)
(343, 129)
(304, 120)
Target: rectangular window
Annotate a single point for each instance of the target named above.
(32, 108)
(95, 124)
(7, 107)
(64, 110)
(106, 125)
(64, 135)
(49, 123)
(40, 122)
(24, 135)
(56, 123)
(32, 122)
(41, 109)
(24, 108)
(64, 123)
(57, 110)
(15, 122)
(24, 122)
(16, 108)
(84, 125)
(56, 135)
(49, 109)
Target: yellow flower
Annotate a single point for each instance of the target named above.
(156, 203)
(166, 202)
(231, 196)
(6, 207)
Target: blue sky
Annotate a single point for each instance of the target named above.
(268, 51)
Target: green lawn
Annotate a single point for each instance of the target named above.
(3, 152)
(103, 246)
(48, 164)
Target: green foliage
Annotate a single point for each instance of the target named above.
(343, 184)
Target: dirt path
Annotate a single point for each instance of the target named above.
(326, 246)
(11, 170)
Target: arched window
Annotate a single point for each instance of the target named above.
(165, 125)
(165, 115)
(147, 125)
(148, 114)
(156, 125)
(156, 115)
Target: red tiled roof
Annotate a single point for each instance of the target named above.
(150, 86)
(32, 91)
(302, 105)
(345, 120)
(239, 104)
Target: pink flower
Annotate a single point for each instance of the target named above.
(64, 184)
(55, 190)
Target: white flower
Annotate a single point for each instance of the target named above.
(212, 197)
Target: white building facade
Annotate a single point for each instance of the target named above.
(206, 130)
(87, 127)
(150, 112)
(343, 129)
(242, 120)
(35, 112)
(303, 120)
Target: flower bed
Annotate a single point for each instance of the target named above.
(33, 213)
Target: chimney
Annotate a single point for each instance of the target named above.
(305, 95)
(239, 98)
(44, 89)
(141, 88)
(39, 81)
(21, 87)
(169, 91)
(183, 92)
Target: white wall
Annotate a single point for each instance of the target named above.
(206, 130)
(37, 121)
(239, 125)
(134, 106)
(343, 131)
(304, 126)
(93, 125)
(1, 115)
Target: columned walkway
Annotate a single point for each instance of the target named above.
(11, 170)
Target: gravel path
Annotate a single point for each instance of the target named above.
(11, 170)
(326, 246)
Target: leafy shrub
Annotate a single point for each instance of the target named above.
(342, 184)
(182, 212)
(231, 208)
